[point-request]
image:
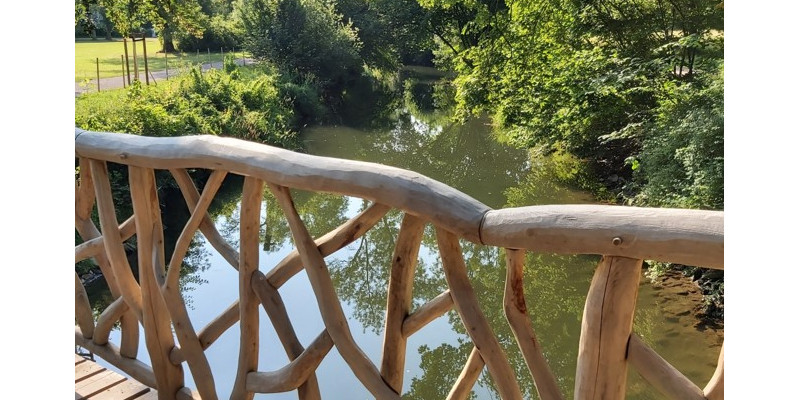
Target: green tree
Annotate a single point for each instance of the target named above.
(168, 16)
(305, 38)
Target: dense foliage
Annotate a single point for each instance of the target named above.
(626, 87)
(237, 103)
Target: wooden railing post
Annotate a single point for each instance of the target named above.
(150, 247)
(605, 329)
(398, 303)
(252, 194)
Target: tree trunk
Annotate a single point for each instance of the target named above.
(166, 38)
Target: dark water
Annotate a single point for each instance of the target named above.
(467, 157)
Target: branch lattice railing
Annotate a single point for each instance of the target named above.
(624, 236)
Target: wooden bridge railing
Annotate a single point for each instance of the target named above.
(623, 235)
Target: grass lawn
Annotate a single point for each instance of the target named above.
(87, 52)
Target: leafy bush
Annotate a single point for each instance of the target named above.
(682, 158)
(226, 103)
(220, 32)
(305, 38)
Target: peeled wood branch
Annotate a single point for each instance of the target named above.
(191, 348)
(155, 317)
(293, 375)
(93, 247)
(605, 329)
(273, 304)
(328, 302)
(329, 243)
(427, 313)
(106, 320)
(211, 332)
(407, 190)
(83, 310)
(517, 315)
(469, 375)
(129, 321)
(478, 329)
(84, 192)
(659, 373)
(252, 194)
(398, 302)
(715, 389)
(192, 196)
(111, 240)
(691, 237)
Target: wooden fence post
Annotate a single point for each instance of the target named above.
(122, 62)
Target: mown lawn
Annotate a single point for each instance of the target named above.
(87, 52)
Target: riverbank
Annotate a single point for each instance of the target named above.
(675, 284)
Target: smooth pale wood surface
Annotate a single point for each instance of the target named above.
(273, 304)
(328, 302)
(191, 348)
(250, 223)
(605, 329)
(398, 302)
(84, 190)
(109, 352)
(126, 390)
(469, 375)
(477, 327)
(192, 196)
(106, 320)
(399, 188)
(132, 367)
(85, 370)
(129, 324)
(128, 287)
(329, 243)
(211, 332)
(293, 375)
(97, 383)
(92, 247)
(691, 237)
(659, 373)
(715, 389)
(155, 317)
(83, 310)
(427, 313)
(517, 314)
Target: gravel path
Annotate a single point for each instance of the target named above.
(157, 76)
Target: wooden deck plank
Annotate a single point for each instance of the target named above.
(97, 384)
(126, 390)
(79, 359)
(85, 370)
(151, 395)
(103, 375)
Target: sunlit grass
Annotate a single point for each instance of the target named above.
(87, 53)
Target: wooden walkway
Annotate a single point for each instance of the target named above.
(97, 383)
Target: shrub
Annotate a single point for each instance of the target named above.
(221, 32)
(247, 106)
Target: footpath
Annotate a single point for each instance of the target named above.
(155, 76)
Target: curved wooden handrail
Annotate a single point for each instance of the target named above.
(692, 237)
(399, 188)
(624, 236)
